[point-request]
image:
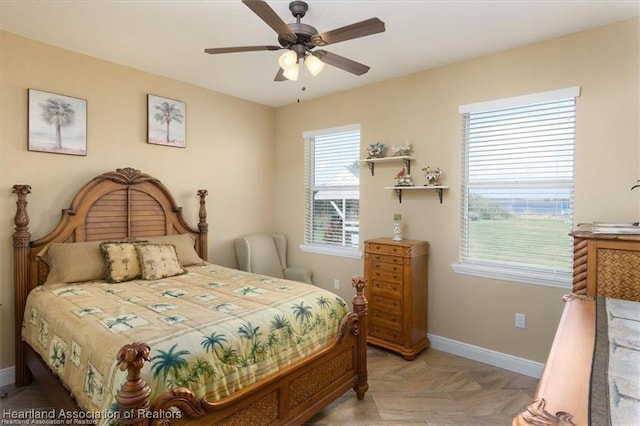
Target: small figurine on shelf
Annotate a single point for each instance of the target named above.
(403, 179)
(401, 150)
(432, 175)
(375, 150)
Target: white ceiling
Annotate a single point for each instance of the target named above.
(168, 37)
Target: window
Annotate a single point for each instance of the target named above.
(517, 188)
(332, 184)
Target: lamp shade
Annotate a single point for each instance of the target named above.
(287, 59)
(314, 65)
(291, 72)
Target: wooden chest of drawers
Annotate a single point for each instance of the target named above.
(397, 273)
(606, 264)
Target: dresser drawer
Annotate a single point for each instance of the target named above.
(385, 249)
(387, 258)
(386, 333)
(387, 303)
(390, 319)
(393, 289)
(388, 263)
(387, 276)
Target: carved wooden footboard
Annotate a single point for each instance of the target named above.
(606, 265)
(128, 204)
(562, 396)
(291, 396)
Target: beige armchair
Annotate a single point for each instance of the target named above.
(266, 254)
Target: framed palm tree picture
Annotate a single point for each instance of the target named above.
(166, 121)
(57, 123)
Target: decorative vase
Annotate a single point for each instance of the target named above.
(397, 227)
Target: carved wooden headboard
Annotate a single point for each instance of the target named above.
(115, 205)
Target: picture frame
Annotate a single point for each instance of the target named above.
(166, 121)
(56, 123)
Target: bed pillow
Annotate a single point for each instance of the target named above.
(158, 261)
(73, 262)
(184, 244)
(120, 261)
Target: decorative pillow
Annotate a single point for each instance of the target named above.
(158, 261)
(73, 262)
(120, 261)
(184, 244)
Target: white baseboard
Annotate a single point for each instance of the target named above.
(487, 356)
(7, 376)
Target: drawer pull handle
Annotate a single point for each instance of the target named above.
(395, 260)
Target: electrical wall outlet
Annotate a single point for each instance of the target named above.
(521, 320)
(336, 284)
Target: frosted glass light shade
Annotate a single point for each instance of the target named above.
(314, 65)
(291, 72)
(287, 59)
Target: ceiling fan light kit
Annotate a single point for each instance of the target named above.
(291, 72)
(300, 39)
(313, 64)
(288, 59)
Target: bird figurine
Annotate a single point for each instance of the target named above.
(403, 179)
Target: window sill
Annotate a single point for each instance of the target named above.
(563, 281)
(353, 253)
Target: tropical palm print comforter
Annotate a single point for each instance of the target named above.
(213, 329)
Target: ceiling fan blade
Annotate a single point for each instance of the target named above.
(271, 18)
(341, 62)
(215, 50)
(280, 75)
(359, 29)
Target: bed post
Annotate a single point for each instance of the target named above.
(360, 309)
(21, 241)
(133, 397)
(203, 226)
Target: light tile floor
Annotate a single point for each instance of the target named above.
(436, 388)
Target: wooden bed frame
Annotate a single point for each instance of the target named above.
(604, 265)
(128, 204)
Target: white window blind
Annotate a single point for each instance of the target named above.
(332, 180)
(518, 179)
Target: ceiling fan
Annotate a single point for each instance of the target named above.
(300, 40)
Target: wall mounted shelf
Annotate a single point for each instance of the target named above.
(372, 161)
(399, 190)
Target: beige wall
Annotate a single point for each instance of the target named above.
(423, 108)
(229, 150)
(250, 158)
